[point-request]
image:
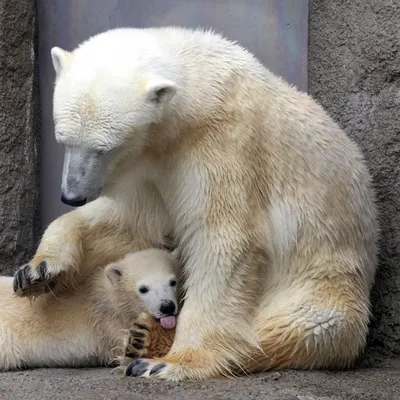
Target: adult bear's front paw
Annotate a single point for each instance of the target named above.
(193, 365)
(34, 279)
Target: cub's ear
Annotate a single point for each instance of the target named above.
(60, 59)
(160, 90)
(114, 272)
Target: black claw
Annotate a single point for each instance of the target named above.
(134, 363)
(20, 279)
(130, 353)
(25, 276)
(138, 346)
(17, 281)
(27, 272)
(136, 334)
(157, 368)
(128, 371)
(136, 368)
(141, 326)
(139, 370)
(42, 270)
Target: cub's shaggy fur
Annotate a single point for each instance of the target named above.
(84, 326)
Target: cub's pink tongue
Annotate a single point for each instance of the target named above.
(168, 322)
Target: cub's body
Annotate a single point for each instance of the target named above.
(80, 327)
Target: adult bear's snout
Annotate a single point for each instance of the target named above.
(76, 202)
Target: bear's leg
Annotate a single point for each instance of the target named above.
(59, 252)
(312, 324)
(93, 235)
(323, 327)
(214, 331)
(73, 246)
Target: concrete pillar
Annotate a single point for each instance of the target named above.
(354, 71)
(18, 133)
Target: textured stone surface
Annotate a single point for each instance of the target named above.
(18, 133)
(354, 71)
(100, 384)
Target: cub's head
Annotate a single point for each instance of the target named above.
(149, 279)
(107, 93)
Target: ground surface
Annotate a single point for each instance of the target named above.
(100, 384)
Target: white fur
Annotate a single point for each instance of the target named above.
(270, 202)
(85, 327)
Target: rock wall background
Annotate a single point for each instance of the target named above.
(19, 119)
(354, 72)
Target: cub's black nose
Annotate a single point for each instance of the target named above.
(167, 307)
(73, 202)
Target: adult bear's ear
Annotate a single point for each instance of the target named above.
(160, 90)
(60, 59)
(114, 272)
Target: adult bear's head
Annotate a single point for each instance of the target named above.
(108, 91)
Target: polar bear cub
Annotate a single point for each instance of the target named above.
(85, 328)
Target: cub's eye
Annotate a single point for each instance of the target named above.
(173, 283)
(143, 289)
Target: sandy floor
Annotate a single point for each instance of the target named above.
(100, 384)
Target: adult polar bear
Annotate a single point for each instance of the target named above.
(181, 132)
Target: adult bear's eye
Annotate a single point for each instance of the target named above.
(143, 289)
(173, 283)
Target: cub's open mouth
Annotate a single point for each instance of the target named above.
(167, 322)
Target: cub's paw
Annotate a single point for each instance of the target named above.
(34, 280)
(138, 340)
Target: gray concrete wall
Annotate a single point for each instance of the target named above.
(18, 133)
(354, 71)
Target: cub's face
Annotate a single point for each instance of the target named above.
(159, 296)
(102, 111)
(147, 279)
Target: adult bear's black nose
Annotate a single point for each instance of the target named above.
(167, 307)
(76, 202)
